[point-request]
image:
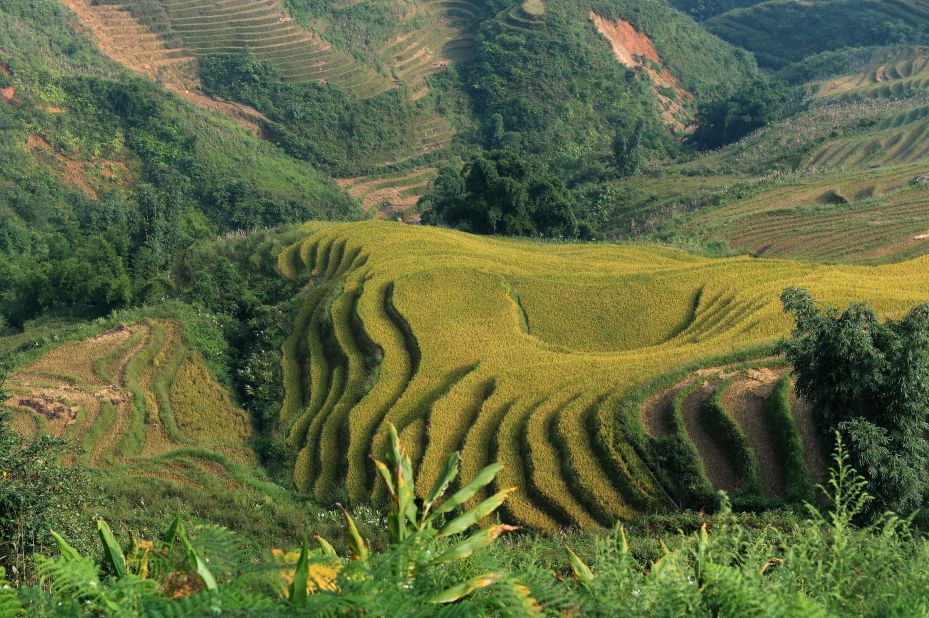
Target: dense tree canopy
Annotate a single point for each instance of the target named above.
(749, 107)
(502, 193)
(869, 381)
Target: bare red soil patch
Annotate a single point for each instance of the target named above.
(635, 50)
(37, 142)
(78, 174)
(4, 69)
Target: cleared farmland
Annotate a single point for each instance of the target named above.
(864, 216)
(892, 73)
(144, 410)
(217, 27)
(531, 354)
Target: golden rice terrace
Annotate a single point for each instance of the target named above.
(567, 363)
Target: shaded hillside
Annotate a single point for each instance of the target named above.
(780, 32)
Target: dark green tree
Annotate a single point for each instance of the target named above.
(751, 106)
(94, 277)
(869, 381)
(502, 193)
(629, 151)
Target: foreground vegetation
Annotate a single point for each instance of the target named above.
(822, 564)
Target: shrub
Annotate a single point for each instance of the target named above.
(869, 381)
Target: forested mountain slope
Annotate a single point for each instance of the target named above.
(106, 174)
(780, 32)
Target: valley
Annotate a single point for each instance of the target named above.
(373, 275)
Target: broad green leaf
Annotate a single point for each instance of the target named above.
(462, 590)
(356, 544)
(396, 449)
(581, 571)
(112, 552)
(198, 563)
(471, 517)
(384, 471)
(481, 538)
(441, 484)
(301, 574)
(170, 535)
(406, 498)
(484, 477)
(67, 552)
(324, 545)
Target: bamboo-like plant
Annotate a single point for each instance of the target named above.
(412, 520)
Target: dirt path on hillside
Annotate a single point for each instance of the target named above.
(715, 463)
(745, 402)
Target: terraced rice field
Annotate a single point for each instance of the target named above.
(894, 73)
(391, 195)
(864, 216)
(744, 392)
(128, 41)
(524, 16)
(216, 27)
(444, 33)
(528, 353)
(141, 404)
(898, 140)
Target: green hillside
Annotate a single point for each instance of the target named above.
(453, 285)
(779, 32)
(101, 164)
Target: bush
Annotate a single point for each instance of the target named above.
(35, 494)
(797, 483)
(747, 108)
(869, 381)
(734, 442)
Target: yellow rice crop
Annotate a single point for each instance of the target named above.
(508, 349)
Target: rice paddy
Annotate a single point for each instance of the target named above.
(866, 216)
(142, 406)
(530, 353)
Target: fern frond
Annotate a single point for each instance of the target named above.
(10, 606)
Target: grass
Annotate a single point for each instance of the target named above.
(797, 484)
(458, 370)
